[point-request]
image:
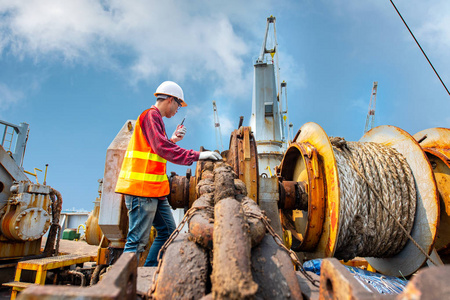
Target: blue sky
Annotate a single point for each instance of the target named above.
(77, 70)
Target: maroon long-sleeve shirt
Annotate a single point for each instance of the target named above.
(153, 128)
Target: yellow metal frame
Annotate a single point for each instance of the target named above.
(35, 174)
(41, 266)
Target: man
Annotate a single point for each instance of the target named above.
(143, 178)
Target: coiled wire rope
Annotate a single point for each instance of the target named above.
(377, 202)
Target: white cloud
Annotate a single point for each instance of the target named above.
(8, 97)
(434, 35)
(171, 38)
(291, 72)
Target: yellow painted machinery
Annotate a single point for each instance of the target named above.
(361, 199)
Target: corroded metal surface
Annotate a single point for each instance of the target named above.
(336, 282)
(309, 176)
(201, 225)
(118, 283)
(442, 175)
(272, 270)
(288, 197)
(430, 283)
(9, 172)
(436, 143)
(434, 138)
(242, 156)
(144, 280)
(19, 249)
(311, 157)
(179, 191)
(231, 276)
(223, 182)
(309, 290)
(25, 219)
(257, 228)
(184, 271)
(427, 213)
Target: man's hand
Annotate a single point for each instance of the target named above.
(210, 155)
(178, 134)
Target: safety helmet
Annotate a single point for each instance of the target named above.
(170, 88)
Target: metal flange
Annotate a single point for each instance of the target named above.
(243, 157)
(321, 173)
(304, 176)
(426, 219)
(436, 144)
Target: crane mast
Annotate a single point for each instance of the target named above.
(217, 127)
(370, 120)
(268, 120)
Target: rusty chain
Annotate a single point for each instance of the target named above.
(187, 216)
(279, 242)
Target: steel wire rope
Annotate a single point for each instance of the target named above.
(401, 163)
(369, 227)
(404, 22)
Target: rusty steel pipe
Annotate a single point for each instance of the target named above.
(201, 225)
(274, 272)
(293, 195)
(205, 186)
(179, 191)
(184, 271)
(257, 228)
(231, 276)
(224, 182)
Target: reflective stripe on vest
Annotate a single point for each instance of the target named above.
(145, 155)
(142, 176)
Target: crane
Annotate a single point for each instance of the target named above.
(269, 118)
(371, 113)
(217, 127)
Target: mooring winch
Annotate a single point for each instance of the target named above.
(344, 187)
(345, 199)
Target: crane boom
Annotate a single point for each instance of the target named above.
(217, 127)
(370, 120)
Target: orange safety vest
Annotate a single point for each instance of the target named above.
(143, 172)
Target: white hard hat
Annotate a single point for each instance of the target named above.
(170, 88)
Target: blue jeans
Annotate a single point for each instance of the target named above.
(142, 214)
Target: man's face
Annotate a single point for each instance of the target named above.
(175, 106)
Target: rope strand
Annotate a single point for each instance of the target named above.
(392, 243)
(371, 227)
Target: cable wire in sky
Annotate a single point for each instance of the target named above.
(420, 47)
